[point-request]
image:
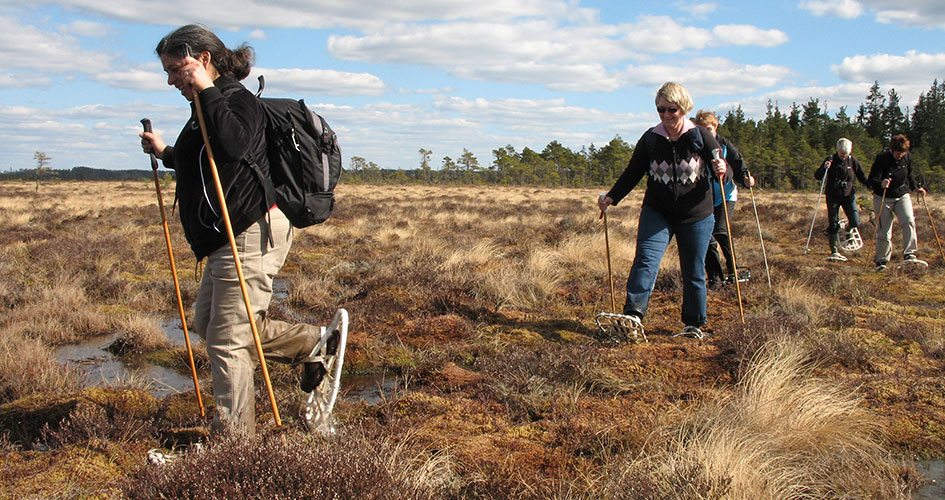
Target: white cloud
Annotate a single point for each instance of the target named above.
(563, 58)
(742, 34)
(698, 9)
(22, 80)
(847, 9)
(317, 14)
(88, 29)
(258, 34)
(923, 13)
(26, 47)
(316, 81)
(663, 35)
(134, 79)
(709, 76)
(914, 68)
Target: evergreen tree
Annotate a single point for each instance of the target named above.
(894, 121)
(870, 114)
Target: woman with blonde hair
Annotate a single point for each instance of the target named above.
(676, 156)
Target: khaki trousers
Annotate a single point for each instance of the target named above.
(220, 319)
(902, 208)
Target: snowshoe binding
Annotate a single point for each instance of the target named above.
(330, 352)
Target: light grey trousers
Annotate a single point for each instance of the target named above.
(220, 319)
(902, 208)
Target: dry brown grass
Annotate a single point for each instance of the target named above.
(480, 303)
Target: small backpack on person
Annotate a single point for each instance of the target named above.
(304, 159)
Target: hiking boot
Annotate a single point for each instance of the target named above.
(910, 258)
(312, 375)
(313, 368)
(880, 267)
(837, 256)
(690, 331)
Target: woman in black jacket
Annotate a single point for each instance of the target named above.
(677, 158)
(196, 61)
(892, 180)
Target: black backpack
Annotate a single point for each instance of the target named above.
(304, 159)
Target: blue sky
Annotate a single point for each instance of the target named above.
(394, 76)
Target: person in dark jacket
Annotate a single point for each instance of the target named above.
(892, 180)
(196, 61)
(842, 170)
(716, 274)
(677, 158)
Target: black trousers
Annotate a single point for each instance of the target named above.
(720, 241)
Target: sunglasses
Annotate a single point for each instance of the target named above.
(661, 110)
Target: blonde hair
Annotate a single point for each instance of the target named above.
(845, 145)
(676, 94)
(706, 118)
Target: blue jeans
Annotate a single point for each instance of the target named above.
(653, 237)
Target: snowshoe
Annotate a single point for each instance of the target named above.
(620, 327)
(836, 257)
(912, 263)
(851, 239)
(744, 274)
(330, 351)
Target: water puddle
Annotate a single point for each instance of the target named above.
(934, 471)
(100, 368)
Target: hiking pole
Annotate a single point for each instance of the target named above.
(931, 221)
(764, 254)
(236, 259)
(716, 154)
(816, 206)
(879, 218)
(170, 255)
(610, 274)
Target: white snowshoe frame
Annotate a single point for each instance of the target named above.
(620, 327)
(913, 264)
(853, 241)
(316, 411)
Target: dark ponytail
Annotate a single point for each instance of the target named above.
(197, 38)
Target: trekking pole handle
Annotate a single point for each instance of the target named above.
(601, 198)
(146, 123)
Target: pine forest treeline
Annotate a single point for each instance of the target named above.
(782, 149)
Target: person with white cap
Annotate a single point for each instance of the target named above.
(842, 170)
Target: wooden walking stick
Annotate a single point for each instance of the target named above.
(879, 218)
(610, 273)
(170, 256)
(728, 228)
(934, 231)
(236, 259)
(613, 324)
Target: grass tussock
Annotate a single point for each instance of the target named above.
(783, 434)
(27, 367)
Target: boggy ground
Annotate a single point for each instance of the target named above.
(479, 302)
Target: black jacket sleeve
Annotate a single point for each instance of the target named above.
(636, 169)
